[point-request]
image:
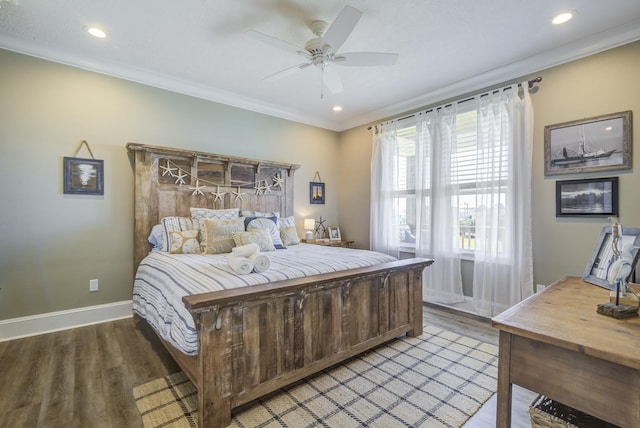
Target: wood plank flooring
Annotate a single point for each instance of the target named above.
(84, 377)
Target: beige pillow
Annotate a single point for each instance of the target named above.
(289, 236)
(217, 235)
(184, 242)
(255, 236)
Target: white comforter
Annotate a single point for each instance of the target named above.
(163, 279)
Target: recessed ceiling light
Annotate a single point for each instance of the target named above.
(337, 108)
(95, 32)
(563, 17)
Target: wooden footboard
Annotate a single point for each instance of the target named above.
(256, 340)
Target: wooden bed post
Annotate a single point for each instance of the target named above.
(214, 389)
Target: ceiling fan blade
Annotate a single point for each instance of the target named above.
(286, 72)
(366, 58)
(341, 27)
(331, 80)
(273, 41)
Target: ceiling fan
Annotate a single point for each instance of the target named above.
(321, 51)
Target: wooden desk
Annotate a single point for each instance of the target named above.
(556, 344)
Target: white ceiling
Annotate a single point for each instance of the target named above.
(199, 47)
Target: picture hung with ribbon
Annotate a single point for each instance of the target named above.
(83, 176)
(316, 190)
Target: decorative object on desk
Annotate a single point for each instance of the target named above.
(588, 197)
(316, 190)
(309, 226)
(603, 256)
(599, 143)
(320, 229)
(334, 233)
(83, 176)
(618, 272)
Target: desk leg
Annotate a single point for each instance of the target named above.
(503, 413)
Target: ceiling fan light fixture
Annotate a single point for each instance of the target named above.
(95, 32)
(563, 17)
(337, 108)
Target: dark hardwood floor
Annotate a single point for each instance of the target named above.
(84, 377)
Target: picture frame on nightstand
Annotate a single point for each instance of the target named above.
(334, 233)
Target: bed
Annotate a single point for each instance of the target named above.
(280, 326)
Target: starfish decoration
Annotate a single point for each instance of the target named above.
(278, 181)
(320, 225)
(180, 177)
(267, 187)
(238, 194)
(259, 190)
(217, 195)
(168, 169)
(198, 189)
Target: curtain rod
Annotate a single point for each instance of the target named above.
(530, 85)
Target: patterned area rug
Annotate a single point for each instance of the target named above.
(439, 379)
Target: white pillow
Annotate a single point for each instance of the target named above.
(255, 236)
(268, 223)
(199, 214)
(287, 222)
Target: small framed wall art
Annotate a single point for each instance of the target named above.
(597, 197)
(83, 176)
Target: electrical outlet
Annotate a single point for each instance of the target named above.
(93, 285)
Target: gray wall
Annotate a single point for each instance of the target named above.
(600, 84)
(53, 244)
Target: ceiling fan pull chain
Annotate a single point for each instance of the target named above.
(322, 82)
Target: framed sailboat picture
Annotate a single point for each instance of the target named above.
(599, 143)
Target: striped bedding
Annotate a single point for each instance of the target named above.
(163, 279)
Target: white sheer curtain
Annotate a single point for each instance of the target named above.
(503, 263)
(486, 168)
(436, 206)
(384, 223)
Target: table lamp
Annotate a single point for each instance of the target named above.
(309, 225)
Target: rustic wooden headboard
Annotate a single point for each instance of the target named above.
(247, 184)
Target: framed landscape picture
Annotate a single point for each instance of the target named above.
(83, 176)
(588, 197)
(594, 144)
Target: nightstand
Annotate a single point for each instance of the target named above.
(344, 244)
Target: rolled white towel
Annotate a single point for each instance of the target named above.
(240, 265)
(245, 250)
(261, 262)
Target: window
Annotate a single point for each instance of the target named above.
(471, 169)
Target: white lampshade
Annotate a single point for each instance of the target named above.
(309, 224)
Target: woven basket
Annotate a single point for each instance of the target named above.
(546, 413)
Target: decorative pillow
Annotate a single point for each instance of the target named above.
(201, 213)
(255, 236)
(155, 238)
(217, 234)
(269, 223)
(259, 214)
(175, 224)
(289, 236)
(184, 242)
(287, 222)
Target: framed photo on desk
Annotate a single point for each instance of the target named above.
(603, 255)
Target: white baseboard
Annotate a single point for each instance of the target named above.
(32, 325)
